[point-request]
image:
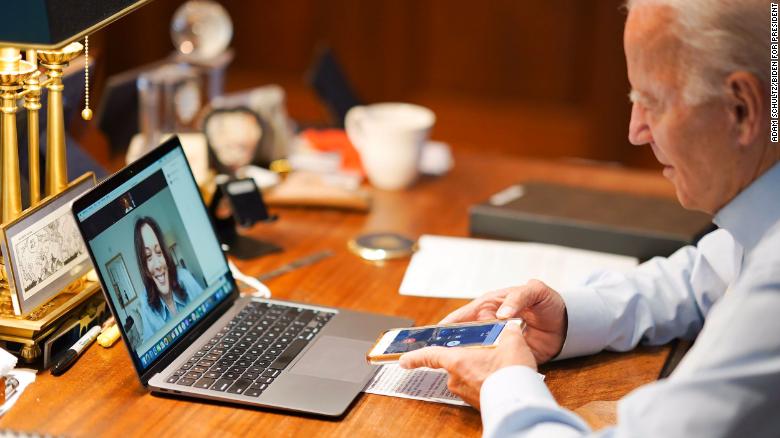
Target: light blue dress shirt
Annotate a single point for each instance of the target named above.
(726, 290)
(153, 320)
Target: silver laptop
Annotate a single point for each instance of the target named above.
(187, 329)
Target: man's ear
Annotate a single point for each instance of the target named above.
(746, 105)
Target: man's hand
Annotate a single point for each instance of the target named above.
(541, 307)
(469, 367)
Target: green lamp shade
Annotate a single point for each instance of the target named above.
(51, 24)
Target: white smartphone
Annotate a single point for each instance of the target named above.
(395, 342)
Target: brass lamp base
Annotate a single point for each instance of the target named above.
(28, 332)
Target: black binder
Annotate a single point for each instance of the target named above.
(638, 226)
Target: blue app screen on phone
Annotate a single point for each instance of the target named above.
(409, 340)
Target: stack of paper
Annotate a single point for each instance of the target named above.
(420, 384)
(456, 267)
(424, 384)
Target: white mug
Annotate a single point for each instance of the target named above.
(389, 138)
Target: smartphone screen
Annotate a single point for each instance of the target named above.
(414, 339)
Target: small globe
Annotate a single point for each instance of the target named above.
(201, 29)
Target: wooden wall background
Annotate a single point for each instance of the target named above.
(535, 77)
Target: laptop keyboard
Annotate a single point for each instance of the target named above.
(252, 349)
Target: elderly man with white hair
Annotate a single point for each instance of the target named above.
(700, 77)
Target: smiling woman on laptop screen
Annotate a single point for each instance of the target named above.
(168, 288)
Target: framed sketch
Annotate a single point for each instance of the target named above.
(42, 249)
(120, 283)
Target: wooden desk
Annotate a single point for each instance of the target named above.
(101, 396)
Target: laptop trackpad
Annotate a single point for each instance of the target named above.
(335, 358)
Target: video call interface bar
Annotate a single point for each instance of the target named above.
(123, 204)
(168, 339)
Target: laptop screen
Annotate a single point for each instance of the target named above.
(153, 243)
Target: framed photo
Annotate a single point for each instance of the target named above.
(42, 249)
(268, 102)
(236, 137)
(173, 249)
(121, 286)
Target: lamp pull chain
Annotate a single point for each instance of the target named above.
(86, 114)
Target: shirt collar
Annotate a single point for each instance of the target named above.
(178, 302)
(753, 211)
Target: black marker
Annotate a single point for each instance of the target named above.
(69, 357)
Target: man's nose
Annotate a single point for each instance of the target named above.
(638, 129)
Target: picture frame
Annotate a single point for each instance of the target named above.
(173, 250)
(42, 249)
(236, 137)
(268, 102)
(121, 284)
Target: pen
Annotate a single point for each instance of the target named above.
(69, 357)
(301, 262)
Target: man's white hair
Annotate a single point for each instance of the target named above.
(721, 37)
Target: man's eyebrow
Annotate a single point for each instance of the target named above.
(636, 96)
(642, 98)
